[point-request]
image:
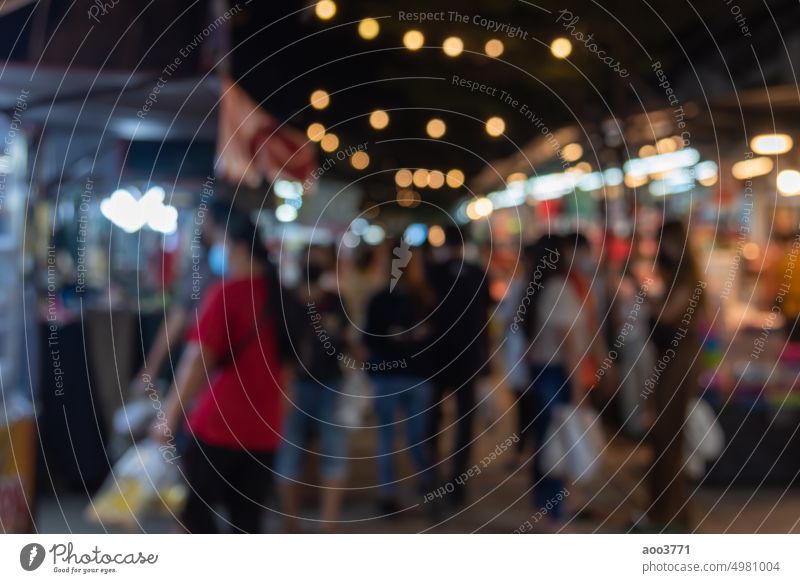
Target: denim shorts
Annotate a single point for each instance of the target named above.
(313, 413)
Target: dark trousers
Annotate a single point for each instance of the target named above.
(464, 393)
(234, 479)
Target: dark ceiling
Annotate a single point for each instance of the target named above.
(281, 52)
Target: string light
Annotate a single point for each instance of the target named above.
(494, 48)
(436, 128)
(495, 126)
(325, 9)
(413, 40)
(561, 48)
(320, 99)
(379, 119)
(453, 46)
(368, 28)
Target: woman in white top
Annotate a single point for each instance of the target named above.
(557, 326)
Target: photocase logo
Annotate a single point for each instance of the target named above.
(402, 255)
(31, 556)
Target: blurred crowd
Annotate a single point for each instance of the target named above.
(276, 378)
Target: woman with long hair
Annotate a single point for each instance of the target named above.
(674, 332)
(228, 386)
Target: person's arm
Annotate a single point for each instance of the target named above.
(190, 378)
(170, 331)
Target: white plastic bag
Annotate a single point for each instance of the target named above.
(703, 437)
(142, 481)
(573, 443)
(355, 399)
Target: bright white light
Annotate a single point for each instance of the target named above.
(705, 170)
(350, 240)
(662, 163)
(164, 219)
(613, 177)
(513, 195)
(288, 189)
(679, 180)
(591, 181)
(285, 213)
(124, 211)
(415, 234)
(359, 226)
(374, 235)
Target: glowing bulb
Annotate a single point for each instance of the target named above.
(435, 179)
(495, 126)
(379, 119)
(413, 40)
(403, 178)
(572, 152)
(747, 169)
(647, 150)
(483, 207)
(789, 182)
(453, 46)
(285, 213)
(320, 99)
(359, 160)
(325, 9)
(329, 142)
(421, 177)
(561, 48)
(436, 128)
(666, 145)
(368, 28)
(516, 177)
(494, 48)
(455, 178)
(315, 132)
(767, 144)
(436, 236)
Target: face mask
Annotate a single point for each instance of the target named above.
(218, 260)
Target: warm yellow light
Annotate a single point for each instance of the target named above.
(315, 132)
(709, 180)
(359, 160)
(572, 152)
(413, 40)
(495, 126)
(472, 214)
(403, 178)
(329, 142)
(436, 128)
(436, 236)
(647, 150)
(789, 182)
(453, 46)
(455, 178)
(751, 251)
(747, 169)
(666, 145)
(767, 144)
(679, 143)
(516, 177)
(584, 167)
(325, 9)
(561, 48)
(368, 28)
(635, 181)
(494, 48)
(435, 179)
(379, 119)
(320, 99)
(408, 198)
(421, 177)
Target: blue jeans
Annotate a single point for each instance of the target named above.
(550, 388)
(411, 396)
(313, 412)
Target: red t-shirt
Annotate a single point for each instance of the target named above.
(241, 408)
